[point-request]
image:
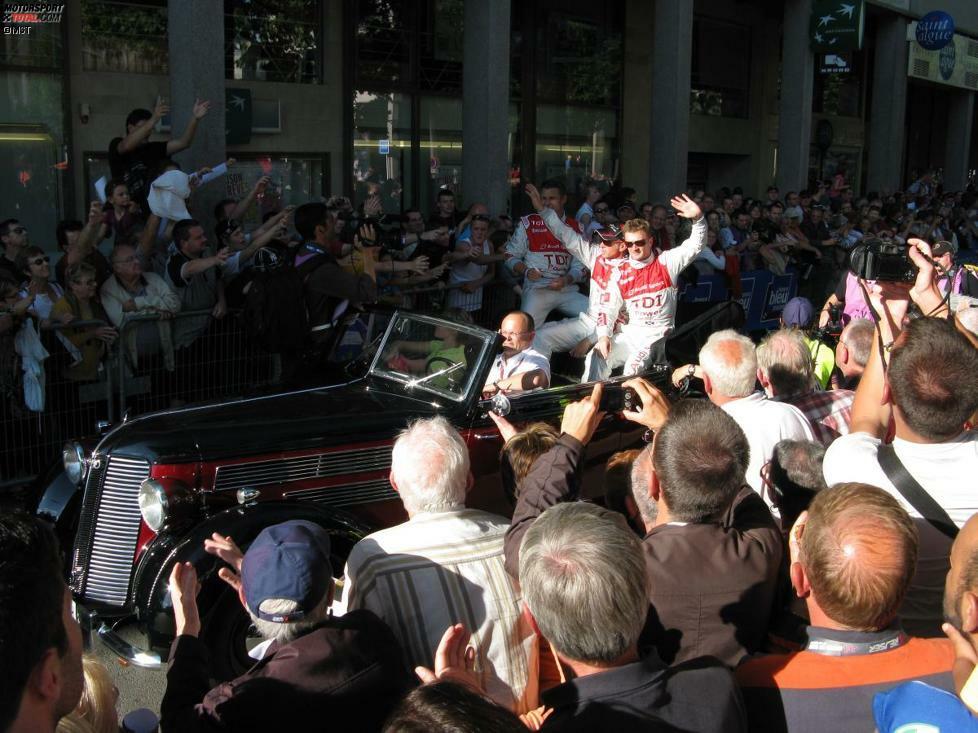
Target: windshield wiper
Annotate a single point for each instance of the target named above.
(446, 370)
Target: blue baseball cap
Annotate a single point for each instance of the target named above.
(798, 312)
(289, 561)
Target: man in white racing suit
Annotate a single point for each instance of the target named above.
(646, 285)
(548, 270)
(600, 256)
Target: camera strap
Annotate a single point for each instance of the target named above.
(913, 492)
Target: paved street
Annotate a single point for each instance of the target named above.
(138, 688)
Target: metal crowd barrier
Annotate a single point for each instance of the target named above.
(29, 440)
(222, 362)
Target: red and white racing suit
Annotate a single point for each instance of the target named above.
(565, 335)
(648, 291)
(535, 246)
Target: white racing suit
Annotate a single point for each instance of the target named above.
(648, 291)
(565, 335)
(534, 246)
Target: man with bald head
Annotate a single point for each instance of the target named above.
(728, 368)
(853, 554)
(928, 707)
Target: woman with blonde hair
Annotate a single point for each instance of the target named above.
(96, 712)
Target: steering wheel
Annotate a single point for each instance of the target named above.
(437, 363)
(430, 368)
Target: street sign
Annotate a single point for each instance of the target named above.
(237, 116)
(837, 26)
(384, 147)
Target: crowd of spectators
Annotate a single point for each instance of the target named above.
(794, 551)
(778, 557)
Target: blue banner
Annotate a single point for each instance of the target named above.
(764, 295)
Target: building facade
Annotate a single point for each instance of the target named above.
(360, 96)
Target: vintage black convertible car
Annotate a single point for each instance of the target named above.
(132, 503)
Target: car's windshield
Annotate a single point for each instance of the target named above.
(431, 354)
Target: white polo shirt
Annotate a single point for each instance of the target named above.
(524, 361)
(947, 472)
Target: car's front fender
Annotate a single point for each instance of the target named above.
(243, 523)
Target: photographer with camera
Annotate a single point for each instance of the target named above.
(712, 548)
(847, 300)
(922, 378)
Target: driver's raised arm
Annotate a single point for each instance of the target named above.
(678, 258)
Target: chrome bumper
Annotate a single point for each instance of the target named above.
(93, 626)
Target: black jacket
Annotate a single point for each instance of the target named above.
(713, 583)
(700, 695)
(347, 671)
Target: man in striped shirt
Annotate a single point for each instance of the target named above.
(444, 566)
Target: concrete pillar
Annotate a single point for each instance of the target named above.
(887, 117)
(195, 33)
(795, 109)
(672, 43)
(485, 104)
(957, 152)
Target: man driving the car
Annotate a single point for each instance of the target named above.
(518, 367)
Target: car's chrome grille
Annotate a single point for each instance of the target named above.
(116, 531)
(86, 525)
(363, 492)
(302, 468)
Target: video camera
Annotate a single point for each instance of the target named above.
(879, 259)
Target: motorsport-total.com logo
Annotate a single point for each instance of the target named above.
(20, 18)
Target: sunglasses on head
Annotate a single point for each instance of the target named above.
(480, 217)
(39, 260)
(601, 210)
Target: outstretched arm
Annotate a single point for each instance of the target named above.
(183, 142)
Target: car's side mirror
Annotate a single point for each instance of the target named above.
(499, 404)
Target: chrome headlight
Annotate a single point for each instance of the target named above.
(73, 458)
(153, 503)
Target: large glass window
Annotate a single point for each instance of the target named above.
(440, 45)
(273, 40)
(31, 151)
(578, 59)
(124, 36)
(382, 158)
(720, 73)
(441, 146)
(384, 42)
(575, 143)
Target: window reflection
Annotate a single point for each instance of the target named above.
(575, 143)
(124, 36)
(273, 40)
(382, 158)
(720, 69)
(31, 151)
(383, 38)
(441, 146)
